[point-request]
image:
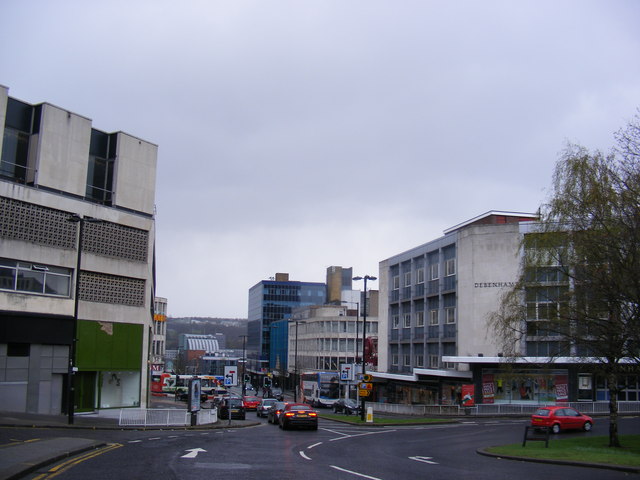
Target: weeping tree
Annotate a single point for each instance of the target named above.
(578, 291)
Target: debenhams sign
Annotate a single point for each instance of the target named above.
(494, 284)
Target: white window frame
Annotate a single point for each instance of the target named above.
(394, 359)
(420, 318)
(419, 360)
(396, 282)
(406, 360)
(450, 315)
(395, 321)
(406, 320)
(434, 271)
(433, 317)
(434, 361)
(419, 276)
(450, 267)
(407, 279)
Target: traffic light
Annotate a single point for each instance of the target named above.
(247, 378)
(267, 382)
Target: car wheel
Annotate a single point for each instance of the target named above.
(587, 426)
(555, 428)
(281, 426)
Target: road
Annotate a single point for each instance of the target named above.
(334, 451)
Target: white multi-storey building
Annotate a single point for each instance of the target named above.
(76, 261)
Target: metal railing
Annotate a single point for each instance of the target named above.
(597, 408)
(164, 417)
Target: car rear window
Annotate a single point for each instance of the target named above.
(543, 412)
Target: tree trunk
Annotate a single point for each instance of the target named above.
(612, 383)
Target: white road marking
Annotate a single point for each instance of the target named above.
(135, 441)
(361, 435)
(314, 445)
(354, 473)
(424, 460)
(303, 455)
(193, 453)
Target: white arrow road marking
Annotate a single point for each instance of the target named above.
(193, 453)
(424, 460)
(303, 455)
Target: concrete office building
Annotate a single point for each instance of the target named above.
(76, 243)
(434, 303)
(159, 342)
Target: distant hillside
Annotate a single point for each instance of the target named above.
(232, 328)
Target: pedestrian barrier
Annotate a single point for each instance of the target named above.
(489, 409)
(164, 417)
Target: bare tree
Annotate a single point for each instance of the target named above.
(582, 264)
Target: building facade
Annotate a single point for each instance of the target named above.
(270, 301)
(76, 261)
(159, 342)
(436, 299)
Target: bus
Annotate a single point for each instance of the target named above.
(320, 389)
(168, 383)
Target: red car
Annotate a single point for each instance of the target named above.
(561, 418)
(250, 402)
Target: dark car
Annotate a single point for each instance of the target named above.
(264, 406)
(298, 415)
(182, 393)
(561, 418)
(346, 406)
(273, 415)
(233, 405)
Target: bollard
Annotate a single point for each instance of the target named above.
(369, 414)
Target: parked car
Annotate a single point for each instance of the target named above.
(561, 418)
(250, 402)
(273, 415)
(182, 394)
(298, 415)
(233, 406)
(264, 406)
(346, 406)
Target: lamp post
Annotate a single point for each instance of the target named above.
(364, 334)
(244, 364)
(295, 371)
(80, 220)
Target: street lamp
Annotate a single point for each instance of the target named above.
(364, 334)
(295, 372)
(80, 220)
(244, 364)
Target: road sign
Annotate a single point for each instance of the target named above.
(230, 376)
(363, 393)
(365, 386)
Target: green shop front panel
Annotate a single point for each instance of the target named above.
(109, 346)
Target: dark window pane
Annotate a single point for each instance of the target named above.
(31, 281)
(7, 278)
(18, 349)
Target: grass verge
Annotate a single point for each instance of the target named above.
(579, 449)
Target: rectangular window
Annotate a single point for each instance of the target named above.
(407, 279)
(21, 121)
(433, 361)
(406, 360)
(396, 282)
(102, 153)
(34, 278)
(394, 359)
(419, 361)
(420, 275)
(433, 317)
(407, 320)
(395, 321)
(434, 271)
(419, 319)
(450, 267)
(450, 314)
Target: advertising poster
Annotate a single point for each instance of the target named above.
(562, 388)
(488, 388)
(468, 395)
(194, 394)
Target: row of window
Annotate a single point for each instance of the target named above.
(449, 316)
(434, 361)
(23, 120)
(34, 278)
(434, 274)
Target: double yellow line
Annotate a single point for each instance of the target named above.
(72, 462)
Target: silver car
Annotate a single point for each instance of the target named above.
(264, 406)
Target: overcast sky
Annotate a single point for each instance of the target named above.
(296, 135)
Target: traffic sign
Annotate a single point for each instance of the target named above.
(365, 386)
(363, 393)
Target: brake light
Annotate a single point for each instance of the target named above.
(313, 414)
(289, 414)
